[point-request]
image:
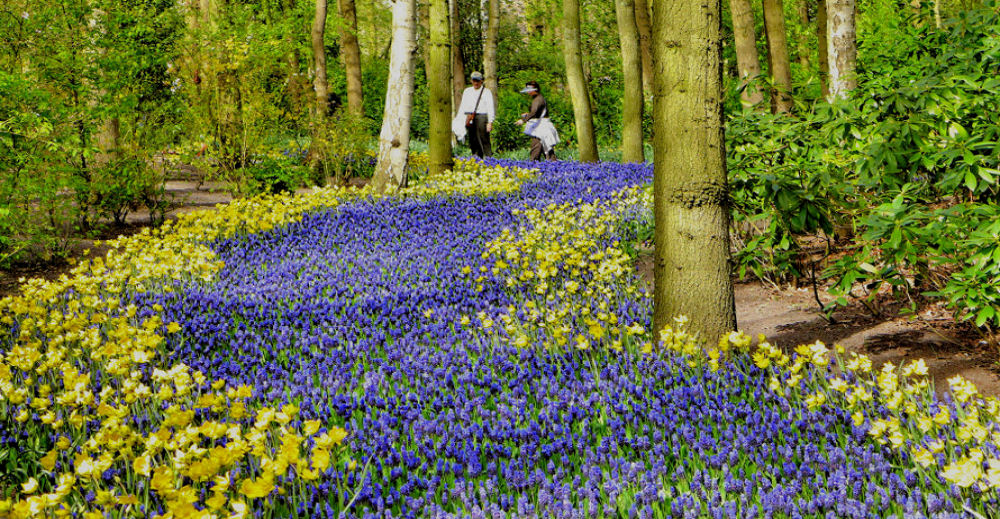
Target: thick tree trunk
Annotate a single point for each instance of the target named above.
(351, 52)
(583, 114)
(632, 98)
(439, 77)
(843, 47)
(319, 60)
(778, 64)
(691, 268)
(457, 63)
(490, 49)
(803, 50)
(822, 50)
(747, 61)
(642, 24)
(394, 139)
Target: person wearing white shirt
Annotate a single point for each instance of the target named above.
(475, 117)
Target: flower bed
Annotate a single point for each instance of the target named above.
(475, 348)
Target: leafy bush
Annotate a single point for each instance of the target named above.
(909, 166)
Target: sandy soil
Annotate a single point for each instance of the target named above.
(789, 317)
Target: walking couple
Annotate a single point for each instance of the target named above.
(477, 111)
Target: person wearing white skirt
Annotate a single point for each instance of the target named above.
(537, 125)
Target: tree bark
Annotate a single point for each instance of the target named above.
(747, 61)
(842, 47)
(822, 51)
(107, 140)
(490, 49)
(691, 267)
(583, 114)
(642, 24)
(394, 139)
(803, 50)
(439, 77)
(778, 64)
(351, 52)
(319, 60)
(632, 98)
(457, 63)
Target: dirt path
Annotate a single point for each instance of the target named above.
(789, 317)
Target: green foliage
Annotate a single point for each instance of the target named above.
(123, 185)
(908, 167)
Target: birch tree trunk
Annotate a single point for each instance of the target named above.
(490, 49)
(457, 63)
(351, 52)
(394, 139)
(822, 49)
(642, 24)
(778, 64)
(632, 98)
(691, 254)
(747, 61)
(583, 114)
(842, 47)
(803, 50)
(439, 77)
(319, 61)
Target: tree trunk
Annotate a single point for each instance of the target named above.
(351, 52)
(843, 48)
(319, 59)
(822, 51)
(583, 114)
(107, 142)
(691, 267)
(747, 61)
(803, 51)
(632, 96)
(439, 77)
(490, 49)
(777, 56)
(394, 139)
(642, 24)
(457, 63)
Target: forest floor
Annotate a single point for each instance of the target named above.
(787, 316)
(790, 316)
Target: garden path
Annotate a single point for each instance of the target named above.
(789, 316)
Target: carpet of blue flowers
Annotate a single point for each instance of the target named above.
(477, 347)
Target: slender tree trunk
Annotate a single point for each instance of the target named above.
(439, 77)
(632, 98)
(107, 142)
(803, 51)
(822, 51)
(457, 63)
(937, 14)
(691, 268)
(843, 48)
(351, 52)
(206, 11)
(577, 81)
(778, 64)
(642, 24)
(319, 59)
(747, 61)
(490, 49)
(394, 139)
